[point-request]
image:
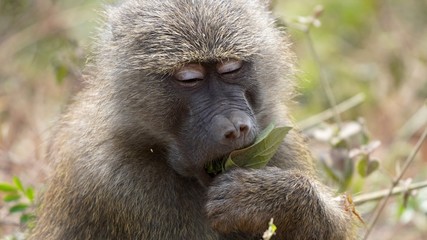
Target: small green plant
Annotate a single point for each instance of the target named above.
(271, 231)
(350, 151)
(19, 200)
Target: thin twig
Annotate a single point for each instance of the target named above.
(323, 78)
(368, 197)
(413, 124)
(408, 162)
(325, 115)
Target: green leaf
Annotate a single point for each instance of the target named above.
(11, 197)
(258, 154)
(273, 227)
(362, 166)
(18, 184)
(6, 187)
(373, 166)
(30, 194)
(25, 218)
(255, 156)
(366, 166)
(61, 71)
(18, 208)
(215, 167)
(345, 183)
(270, 231)
(400, 210)
(348, 173)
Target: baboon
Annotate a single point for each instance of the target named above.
(174, 85)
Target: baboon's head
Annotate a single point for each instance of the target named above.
(200, 76)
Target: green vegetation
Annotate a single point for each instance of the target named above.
(256, 155)
(20, 199)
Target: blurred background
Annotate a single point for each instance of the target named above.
(362, 101)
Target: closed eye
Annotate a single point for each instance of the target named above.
(229, 66)
(190, 75)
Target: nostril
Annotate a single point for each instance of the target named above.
(231, 135)
(233, 130)
(244, 129)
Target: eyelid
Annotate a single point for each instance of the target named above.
(229, 66)
(190, 72)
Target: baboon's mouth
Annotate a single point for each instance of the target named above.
(210, 170)
(216, 166)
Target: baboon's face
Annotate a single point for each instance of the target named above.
(192, 75)
(217, 103)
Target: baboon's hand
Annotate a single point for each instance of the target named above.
(240, 200)
(244, 200)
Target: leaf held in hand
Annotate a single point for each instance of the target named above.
(255, 156)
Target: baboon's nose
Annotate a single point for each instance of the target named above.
(234, 129)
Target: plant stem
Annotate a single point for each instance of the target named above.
(324, 80)
(340, 108)
(408, 162)
(359, 200)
